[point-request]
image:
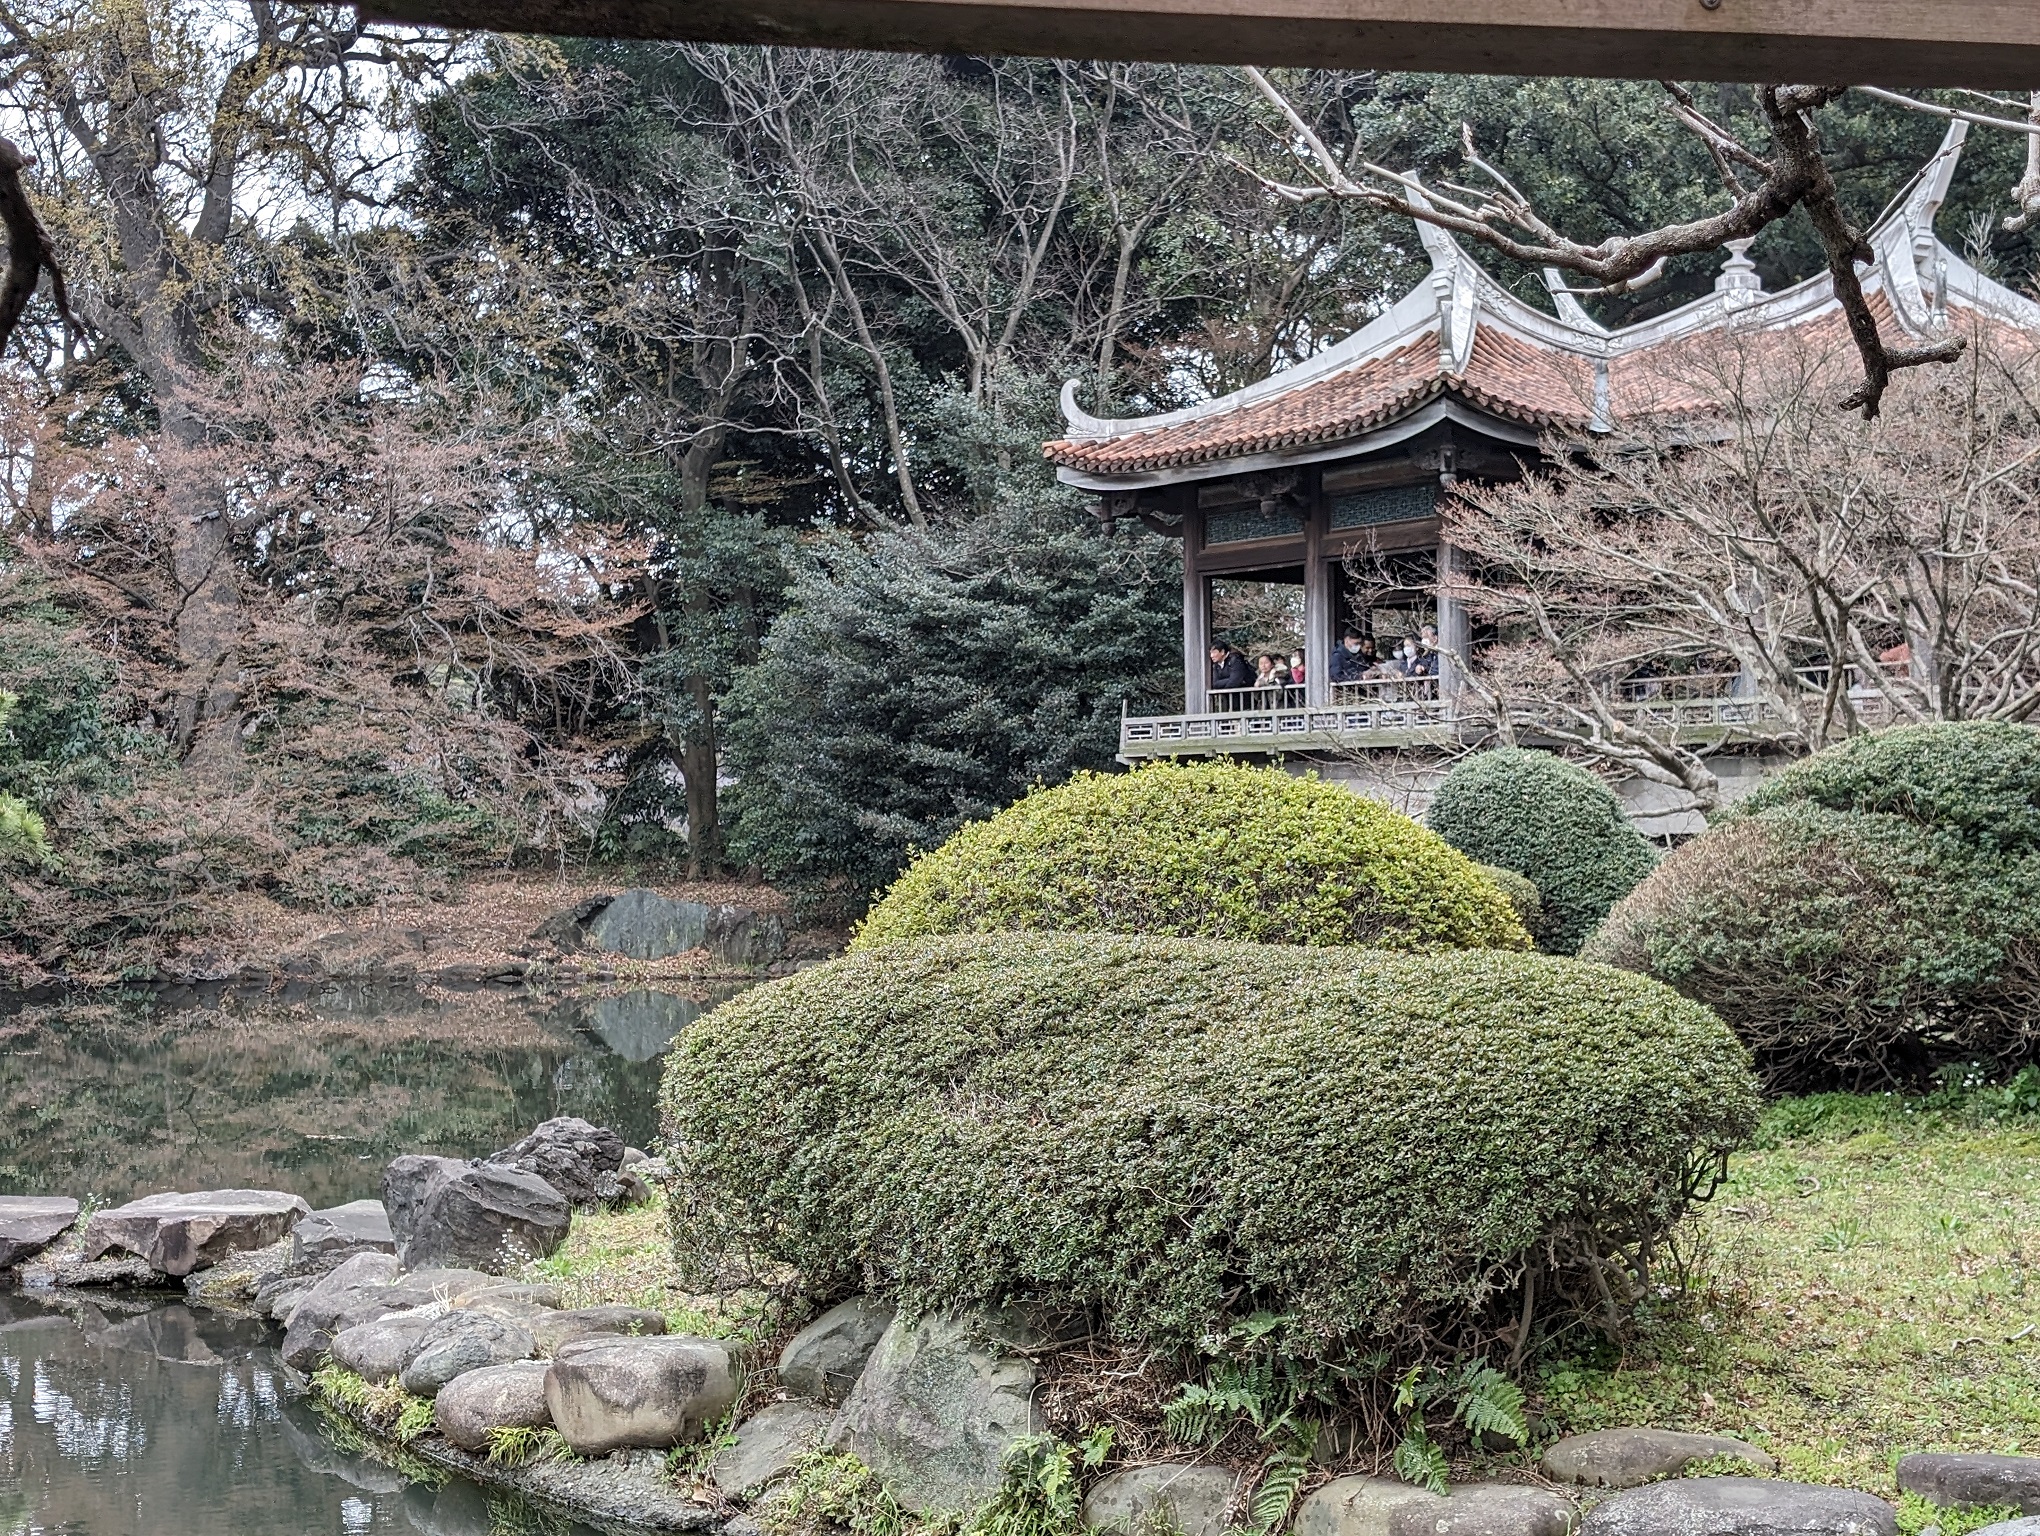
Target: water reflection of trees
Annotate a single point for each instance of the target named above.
(120, 1094)
(123, 1419)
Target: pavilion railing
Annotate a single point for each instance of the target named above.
(1694, 708)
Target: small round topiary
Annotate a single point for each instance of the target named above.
(1178, 1134)
(1868, 914)
(1551, 822)
(1213, 850)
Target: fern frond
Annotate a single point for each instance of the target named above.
(1490, 1403)
(1419, 1460)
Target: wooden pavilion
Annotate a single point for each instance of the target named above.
(1324, 480)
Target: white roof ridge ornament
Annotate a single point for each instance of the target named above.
(1738, 284)
(1081, 422)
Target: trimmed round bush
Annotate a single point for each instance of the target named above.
(1522, 895)
(1175, 1134)
(1210, 850)
(1865, 916)
(1551, 822)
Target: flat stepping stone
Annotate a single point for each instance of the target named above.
(1955, 1481)
(30, 1223)
(1740, 1506)
(175, 1234)
(553, 1331)
(1629, 1458)
(1356, 1505)
(1490, 1509)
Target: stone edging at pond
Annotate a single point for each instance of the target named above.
(621, 1494)
(408, 1293)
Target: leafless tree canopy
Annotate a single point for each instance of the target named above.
(1819, 573)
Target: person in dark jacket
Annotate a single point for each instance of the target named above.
(1354, 658)
(1229, 668)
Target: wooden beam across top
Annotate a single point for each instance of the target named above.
(1992, 44)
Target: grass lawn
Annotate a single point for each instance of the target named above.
(1868, 1287)
(626, 1258)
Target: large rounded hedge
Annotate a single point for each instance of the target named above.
(1551, 822)
(1174, 1133)
(1868, 914)
(1211, 850)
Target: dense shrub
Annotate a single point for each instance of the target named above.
(1521, 894)
(1868, 914)
(1178, 1133)
(1210, 850)
(1553, 823)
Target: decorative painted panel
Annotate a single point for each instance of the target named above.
(1390, 504)
(1252, 522)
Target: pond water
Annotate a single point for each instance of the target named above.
(128, 1415)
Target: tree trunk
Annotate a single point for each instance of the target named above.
(209, 626)
(698, 767)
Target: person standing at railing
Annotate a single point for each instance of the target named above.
(1355, 659)
(1270, 673)
(1229, 674)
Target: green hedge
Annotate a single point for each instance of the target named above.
(1867, 915)
(1551, 822)
(1177, 1133)
(1211, 850)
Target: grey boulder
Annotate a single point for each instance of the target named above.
(362, 1289)
(1356, 1506)
(569, 1153)
(1740, 1506)
(404, 1182)
(2029, 1526)
(458, 1342)
(355, 1292)
(1188, 1500)
(1979, 1480)
(30, 1223)
(767, 1444)
(940, 1402)
(175, 1234)
(824, 1360)
(611, 1394)
(510, 1396)
(379, 1350)
(647, 926)
(1629, 1458)
(359, 1224)
(551, 1331)
(1485, 1509)
(476, 1215)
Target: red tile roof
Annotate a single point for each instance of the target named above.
(1507, 375)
